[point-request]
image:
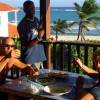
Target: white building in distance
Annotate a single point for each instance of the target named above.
(6, 28)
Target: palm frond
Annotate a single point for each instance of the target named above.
(82, 15)
(90, 7)
(77, 7)
(94, 17)
(70, 24)
(85, 28)
(90, 23)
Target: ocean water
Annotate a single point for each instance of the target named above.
(68, 14)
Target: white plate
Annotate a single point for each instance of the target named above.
(58, 89)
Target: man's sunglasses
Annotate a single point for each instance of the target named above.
(7, 45)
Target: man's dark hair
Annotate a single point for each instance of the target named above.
(26, 6)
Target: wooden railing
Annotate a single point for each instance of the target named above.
(64, 53)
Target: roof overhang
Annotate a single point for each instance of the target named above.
(6, 7)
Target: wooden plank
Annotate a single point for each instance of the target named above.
(45, 15)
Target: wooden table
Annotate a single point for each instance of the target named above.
(13, 90)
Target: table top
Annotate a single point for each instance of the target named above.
(17, 87)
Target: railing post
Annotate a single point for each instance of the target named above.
(94, 48)
(54, 55)
(62, 57)
(78, 52)
(45, 15)
(69, 57)
(86, 55)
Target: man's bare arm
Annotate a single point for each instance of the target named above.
(40, 35)
(89, 71)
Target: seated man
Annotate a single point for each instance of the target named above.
(9, 58)
(93, 73)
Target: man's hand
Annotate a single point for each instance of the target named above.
(41, 29)
(78, 61)
(15, 53)
(35, 74)
(33, 42)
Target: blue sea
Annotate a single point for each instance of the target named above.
(66, 13)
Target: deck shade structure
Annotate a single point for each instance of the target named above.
(45, 14)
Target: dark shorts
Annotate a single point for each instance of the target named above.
(96, 92)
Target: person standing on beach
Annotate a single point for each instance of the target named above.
(31, 32)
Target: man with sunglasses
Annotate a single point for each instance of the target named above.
(8, 44)
(9, 58)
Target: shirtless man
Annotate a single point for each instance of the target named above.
(9, 58)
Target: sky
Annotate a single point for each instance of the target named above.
(53, 3)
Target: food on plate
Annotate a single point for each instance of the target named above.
(44, 80)
(57, 75)
(57, 89)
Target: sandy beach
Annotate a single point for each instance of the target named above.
(73, 38)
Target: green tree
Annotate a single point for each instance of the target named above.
(87, 15)
(60, 26)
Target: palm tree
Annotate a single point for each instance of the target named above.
(60, 26)
(87, 17)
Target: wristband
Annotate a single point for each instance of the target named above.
(39, 39)
(81, 65)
